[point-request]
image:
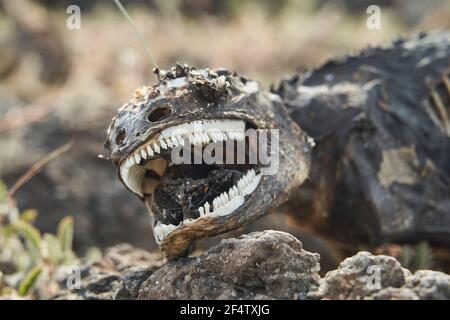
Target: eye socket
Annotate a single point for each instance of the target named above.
(159, 113)
(120, 137)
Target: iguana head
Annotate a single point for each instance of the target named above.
(192, 114)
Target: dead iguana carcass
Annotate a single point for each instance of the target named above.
(379, 170)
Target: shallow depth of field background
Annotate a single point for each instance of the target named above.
(59, 85)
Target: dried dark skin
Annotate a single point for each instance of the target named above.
(380, 170)
(184, 95)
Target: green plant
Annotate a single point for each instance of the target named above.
(27, 256)
(416, 257)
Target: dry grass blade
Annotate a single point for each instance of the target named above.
(35, 168)
(135, 29)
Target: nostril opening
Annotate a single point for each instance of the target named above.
(120, 137)
(159, 113)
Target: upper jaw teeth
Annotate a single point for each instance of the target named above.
(196, 132)
(222, 205)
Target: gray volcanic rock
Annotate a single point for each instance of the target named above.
(427, 284)
(268, 264)
(356, 277)
(259, 265)
(423, 285)
(366, 276)
(117, 275)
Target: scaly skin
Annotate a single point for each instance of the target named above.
(380, 168)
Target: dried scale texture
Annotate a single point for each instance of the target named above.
(380, 168)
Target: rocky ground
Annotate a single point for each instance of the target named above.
(259, 265)
(59, 85)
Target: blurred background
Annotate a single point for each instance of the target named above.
(59, 84)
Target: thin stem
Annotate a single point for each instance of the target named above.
(133, 25)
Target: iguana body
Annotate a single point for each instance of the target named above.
(379, 170)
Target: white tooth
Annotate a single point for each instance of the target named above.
(149, 151)
(236, 135)
(174, 141)
(162, 230)
(143, 153)
(191, 138)
(235, 126)
(215, 204)
(206, 208)
(156, 147)
(137, 158)
(200, 138)
(213, 136)
(236, 190)
(241, 186)
(180, 140)
(205, 137)
(231, 206)
(219, 136)
(201, 210)
(225, 195)
(162, 143)
(197, 138)
(231, 193)
(169, 143)
(252, 186)
(129, 162)
(219, 202)
(209, 136)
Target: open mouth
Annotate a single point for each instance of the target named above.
(183, 192)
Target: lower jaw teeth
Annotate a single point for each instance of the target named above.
(222, 205)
